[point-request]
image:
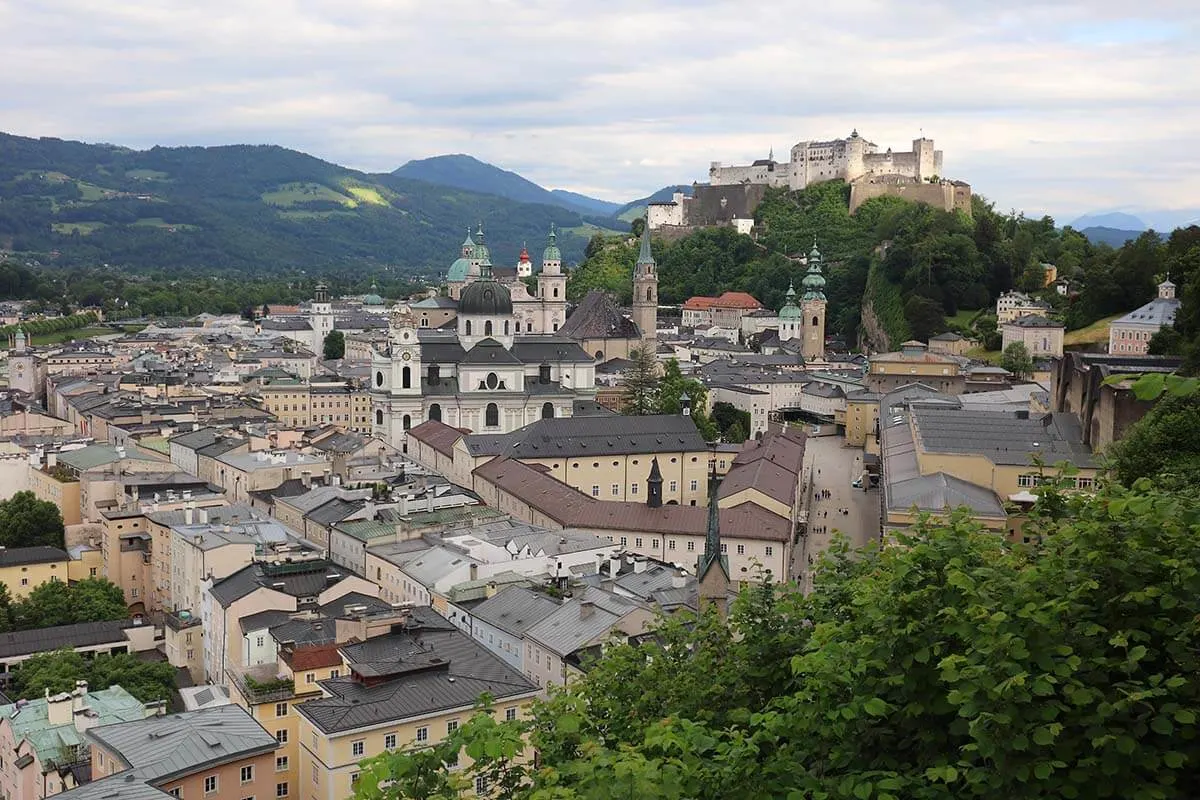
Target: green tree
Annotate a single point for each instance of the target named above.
(57, 603)
(334, 345)
(1163, 445)
(97, 600)
(1016, 359)
(58, 670)
(640, 383)
(925, 317)
(956, 664)
(732, 422)
(26, 521)
(670, 390)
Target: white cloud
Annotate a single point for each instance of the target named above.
(1058, 106)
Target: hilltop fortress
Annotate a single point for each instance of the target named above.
(734, 191)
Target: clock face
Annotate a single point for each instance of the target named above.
(406, 355)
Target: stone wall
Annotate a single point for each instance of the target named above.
(946, 195)
(721, 205)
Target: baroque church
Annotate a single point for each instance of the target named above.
(501, 366)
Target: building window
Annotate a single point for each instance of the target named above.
(770, 550)
(1084, 483)
(724, 548)
(695, 485)
(423, 734)
(378, 416)
(616, 490)
(674, 486)
(406, 423)
(1026, 481)
(451, 726)
(333, 673)
(248, 773)
(281, 763)
(356, 748)
(92, 572)
(174, 792)
(281, 735)
(637, 542)
(741, 549)
(510, 713)
(389, 741)
(487, 328)
(24, 581)
(281, 789)
(353, 778)
(210, 784)
(633, 488)
(654, 544)
(670, 544)
(406, 378)
(258, 642)
(281, 709)
(310, 677)
(624, 543)
(435, 412)
(491, 416)
(595, 490)
(481, 781)
(691, 547)
(468, 328)
(547, 411)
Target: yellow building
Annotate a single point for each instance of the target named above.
(86, 562)
(363, 714)
(60, 487)
(862, 419)
(23, 569)
(913, 363)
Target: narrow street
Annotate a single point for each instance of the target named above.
(831, 466)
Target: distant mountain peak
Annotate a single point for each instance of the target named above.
(1117, 220)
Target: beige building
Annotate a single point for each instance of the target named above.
(1042, 337)
(862, 419)
(243, 473)
(913, 363)
(949, 344)
(23, 569)
(1014, 305)
(363, 714)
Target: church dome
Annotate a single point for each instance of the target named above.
(458, 270)
(485, 298)
(790, 310)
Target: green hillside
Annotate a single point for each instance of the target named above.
(256, 208)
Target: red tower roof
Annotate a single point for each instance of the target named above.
(524, 253)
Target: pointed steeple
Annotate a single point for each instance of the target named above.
(645, 257)
(482, 254)
(814, 281)
(654, 486)
(771, 154)
(712, 539)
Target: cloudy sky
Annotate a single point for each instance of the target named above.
(1046, 106)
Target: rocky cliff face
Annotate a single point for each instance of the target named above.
(872, 337)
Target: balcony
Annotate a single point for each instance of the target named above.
(261, 684)
(179, 620)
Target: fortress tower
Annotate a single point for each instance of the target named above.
(812, 308)
(645, 291)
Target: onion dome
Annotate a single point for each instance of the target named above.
(485, 298)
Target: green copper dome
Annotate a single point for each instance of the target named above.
(482, 254)
(458, 270)
(468, 243)
(552, 253)
(790, 310)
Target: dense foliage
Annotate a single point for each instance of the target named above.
(58, 670)
(916, 265)
(956, 665)
(654, 388)
(243, 208)
(1182, 264)
(58, 603)
(1164, 444)
(26, 521)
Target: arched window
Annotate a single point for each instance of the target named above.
(506, 327)
(406, 378)
(547, 411)
(649, 294)
(815, 323)
(487, 328)
(491, 416)
(556, 291)
(468, 327)
(407, 422)
(378, 416)
(379, 379)
(435, 412)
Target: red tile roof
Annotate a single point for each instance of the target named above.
(726, 300)
(572, 508)
(438, 435)
(306, 658)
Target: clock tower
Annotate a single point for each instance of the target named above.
(396, 379)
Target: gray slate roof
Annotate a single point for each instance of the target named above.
(567, 437)
(159, 748)
(299, 579)
(598, 317)
(80, 635)
(1158, 312)
(15, 556)
(1003, 437)
(430, 667)
(514, 610)
(567, 629)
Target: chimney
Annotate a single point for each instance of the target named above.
(51, 460)
(58, 708)
(678, 581)
(306, 479)
(79, 701)
(639, 566)
(474, 572)
(586, 609)
(189, 513)
(614, 566)
(202, 516)
(490, 590)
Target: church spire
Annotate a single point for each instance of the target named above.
(712, 539)
(645, 257)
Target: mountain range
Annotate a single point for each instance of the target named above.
(262, 208)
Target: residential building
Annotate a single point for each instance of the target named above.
(1042, 337)
(913, 363)
(725, 311)
(1014, 305)
(23, 569)
(215, 752)
(1131, 334)
(110, 637)
(500, 622)
(443, 674)
(43, 740)
(949, 344)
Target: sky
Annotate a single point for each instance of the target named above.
(1043, 106)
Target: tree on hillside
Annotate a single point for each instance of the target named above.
(334, 345)
(1164, 445)
(925, 317)
(640, 382)
(671, 388)
(26, 521)
(1016, 359)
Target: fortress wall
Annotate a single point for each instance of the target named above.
(946, 195)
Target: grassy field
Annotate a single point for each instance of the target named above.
(90, 192)
(290, 194)
(146, 175)
(82, 228)
(990, 356)
(303, 215)
(159, 222)
(963, 318)
(66, 336)
(366, 194)
(591, 230)
(1095, 333)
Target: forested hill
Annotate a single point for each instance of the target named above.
(916, 265)
(245, 208)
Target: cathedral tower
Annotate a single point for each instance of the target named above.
(552, 286)
(645, 291)
(320, 317)
(812, 308)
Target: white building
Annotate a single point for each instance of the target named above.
(1131, 334)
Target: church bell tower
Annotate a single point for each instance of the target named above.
(645, 291)
(812, 308)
